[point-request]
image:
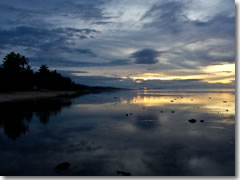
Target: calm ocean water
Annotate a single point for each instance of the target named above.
(136, 132)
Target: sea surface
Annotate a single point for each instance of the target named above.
(139, 133)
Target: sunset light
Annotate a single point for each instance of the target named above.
(224, 73)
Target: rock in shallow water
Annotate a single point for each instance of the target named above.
(122, 173)
(63, 166)
(192, 120)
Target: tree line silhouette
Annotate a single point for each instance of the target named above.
(17, 75)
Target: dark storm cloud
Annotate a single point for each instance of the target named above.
(146, 56)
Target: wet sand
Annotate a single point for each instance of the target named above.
(27, 95)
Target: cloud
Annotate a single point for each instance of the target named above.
(47, 43)
(58, 61)
(40, 37)
(168, 36)
(102, 22)
(119, 62)
(146, 56)
(82, 51)
(174, 17)
(28, 11)
(168, 16)
(86, 10)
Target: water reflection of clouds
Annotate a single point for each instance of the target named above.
(99, 139)
(147, 121)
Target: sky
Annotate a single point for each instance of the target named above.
(120, 43)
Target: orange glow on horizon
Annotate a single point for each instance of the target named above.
(224, 74)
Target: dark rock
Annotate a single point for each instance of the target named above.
(172, 111)
(122, 173)
(192, 120)
(225, 101)
(201, 121)
(172, 101)
(126, 114)
(131, 113)
(226, 109)
(4, 174)
(161, 111)
(63, 166)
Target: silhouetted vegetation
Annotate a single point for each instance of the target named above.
(17, 75)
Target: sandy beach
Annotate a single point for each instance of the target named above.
(27, 95)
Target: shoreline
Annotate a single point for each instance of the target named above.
(28, 95)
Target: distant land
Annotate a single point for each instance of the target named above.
(18, 81)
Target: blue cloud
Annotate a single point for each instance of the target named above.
(146, 56)
(86, 33)
(168, 16)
